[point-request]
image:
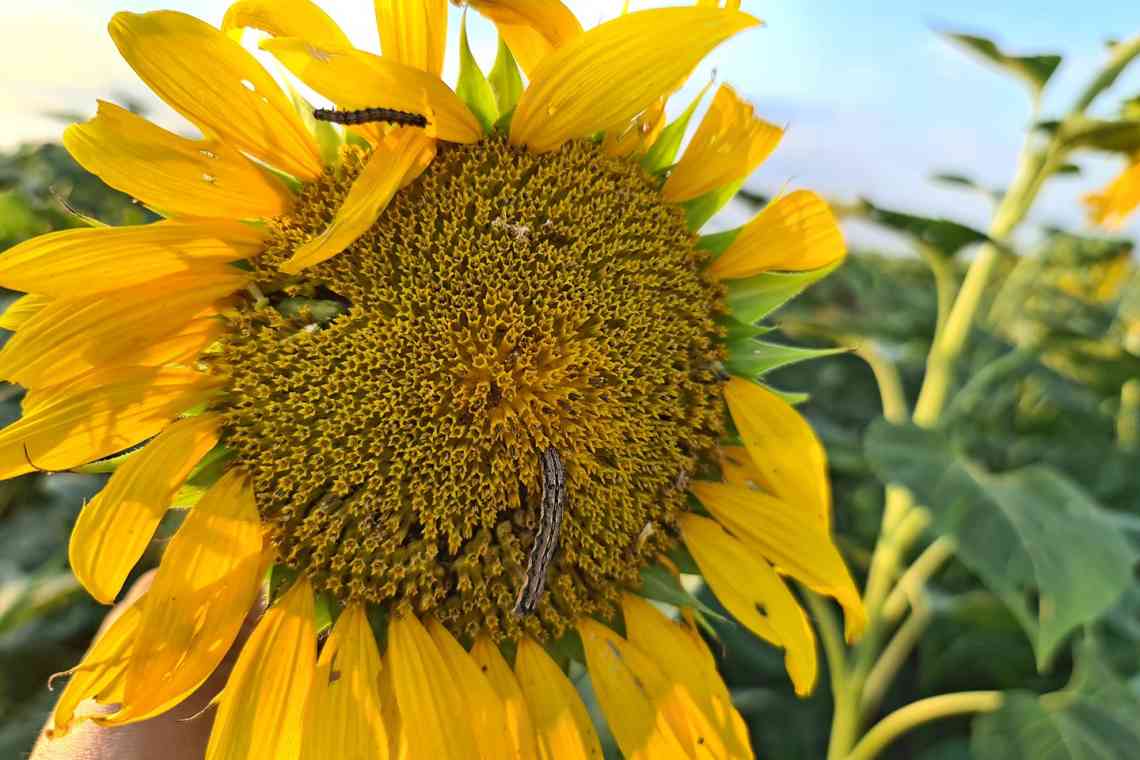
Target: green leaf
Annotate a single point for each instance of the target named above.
(1094, 718)
(505, 80)
(704, 207)
(660, 585)
(1032, 536)
(754, 298)
(472, 87)
(752, 358)
(738, 331)
(717, 243)
(663, 154)
(944, 236)
(1035, 70)
(1106, 135)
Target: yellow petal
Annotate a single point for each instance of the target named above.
(262, 709)
(205, 587)
(70, 263)
(639, 135)
(218, 85)
(343, 719)
(632, 692)
(413, 32)
(795, 232)
(284, 18)
(728, 146)
(532, 29)
(183, 347)
(783, 447)
(390, 714)
(1112, 205)
(393, 165)
(520, 730)
(560, 720)
(75, 335)
(796, 543)
(736, 467)
(613, 72)
(356, 79)
(176, 175)
(100, 669)
(682, 657)
(23, 309)
(751, 591)
(116, 526)
(109, 411)
(484, 710)
(429, 703)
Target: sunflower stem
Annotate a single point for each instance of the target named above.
(913, 580)
(923, 711)
(845, 712)
(894, 656)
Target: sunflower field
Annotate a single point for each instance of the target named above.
(463, 419)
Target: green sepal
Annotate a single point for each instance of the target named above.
(736, 331)
(751, 359)
(793, 398)
(704, 207)
(717, 243)
(202, 477)
(660, 585)
(323, 611)
(329, 140)
(505, 79)
(663, 154)
(753, 298)
(503, 125)
(104, 466)
(472, 87)
(1034, 70)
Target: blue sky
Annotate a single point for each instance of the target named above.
(875, 102)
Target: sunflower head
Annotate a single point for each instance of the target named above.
(464, 368)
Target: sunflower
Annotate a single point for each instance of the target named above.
(461, 397)
(1113, 204)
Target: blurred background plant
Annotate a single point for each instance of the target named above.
(984, 442)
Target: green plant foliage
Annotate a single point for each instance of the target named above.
(941, 235)
(1034, 70)
(1005, 527)
(473, 88)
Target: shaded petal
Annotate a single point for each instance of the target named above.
(205, 587)
(23, 309)
(100, 670)
(797, 544)
(176, 175)
(77, 262)
(783, 447)
(736, 468)
(413, 32)
(795, 232)
(73, 336)
(754, 594)
(425, 691)
(532, 30)
(355, 79)
(1113, 204)
(683, 658)
(613, 72)
(728, 146)
(641, 133)
(561, 723)
(484, 709)
(98, 414)
(218, 85)
(632, 692)
(262, 709)
(394, 164)
(284, 18)
(343, 719)
(116, 526)
(520, 730)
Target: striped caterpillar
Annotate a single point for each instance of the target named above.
(370, 115)
(549, 525)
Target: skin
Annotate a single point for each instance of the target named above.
(180, 734)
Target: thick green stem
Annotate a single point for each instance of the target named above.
(915, 577)
(923, 711)
(845, 708)
(895, 407)
(894, 656)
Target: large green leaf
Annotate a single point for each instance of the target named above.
(1094, 718)
(943, 235)
(1107, 135)
(1033, 537)
(1034, 70)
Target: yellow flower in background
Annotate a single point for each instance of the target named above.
(421, 370)
(1112, 206)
